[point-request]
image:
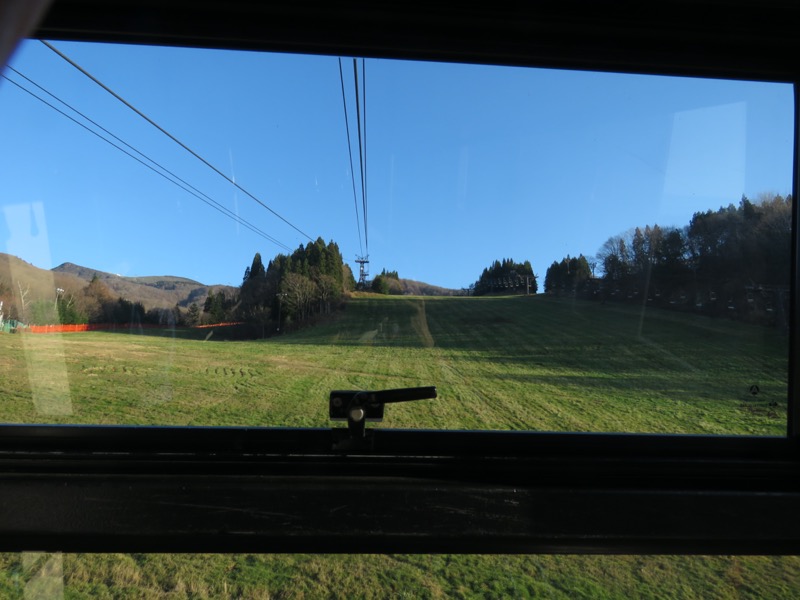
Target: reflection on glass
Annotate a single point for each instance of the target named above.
(199, 237)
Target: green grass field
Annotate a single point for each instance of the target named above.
(395, 576)
(498, 363)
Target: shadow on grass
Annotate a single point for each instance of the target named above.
(520, 329)
(218, 333)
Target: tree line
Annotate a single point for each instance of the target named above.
(290, 291)
(294, 289)
(94, 303)
(734, 261)
(505, 276)
(388, 282)
(569, 274)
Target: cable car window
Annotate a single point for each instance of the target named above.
(219, 238)
(658, 184)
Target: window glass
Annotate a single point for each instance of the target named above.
(198, 237)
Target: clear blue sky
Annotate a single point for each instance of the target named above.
(465, 164)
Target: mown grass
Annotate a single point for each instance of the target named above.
(500, 363)
(220, 576)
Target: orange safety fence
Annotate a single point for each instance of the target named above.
(54, 328)
(105, 327)
(80, 327)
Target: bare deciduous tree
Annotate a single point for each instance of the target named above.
(23, 301)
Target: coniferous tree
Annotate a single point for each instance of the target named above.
(309, 281)
(735, 261)
(506, 277)
(193, 315)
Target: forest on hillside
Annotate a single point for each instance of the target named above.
(734, 261)
(70, 301)
(505, 276)
(292, 289)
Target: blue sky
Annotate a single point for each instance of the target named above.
(465, 164)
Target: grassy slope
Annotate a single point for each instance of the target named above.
(499, 362)
(396, 576)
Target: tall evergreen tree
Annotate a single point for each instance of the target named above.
(297, 286)
(506, 277)
(735, 260)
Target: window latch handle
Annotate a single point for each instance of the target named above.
(359, 406)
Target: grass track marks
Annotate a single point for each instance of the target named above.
(499, 363)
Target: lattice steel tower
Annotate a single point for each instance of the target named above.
(363, 272)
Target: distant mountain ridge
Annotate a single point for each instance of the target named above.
(164, 291)
(154, 291)
(419, 288)
(88, 274)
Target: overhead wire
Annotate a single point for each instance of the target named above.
(165, 173)
(361, 156)
(366, 170)
(350, 155)
(170, 136)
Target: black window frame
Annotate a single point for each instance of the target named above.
(209, 489)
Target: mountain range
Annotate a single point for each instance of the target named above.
(157, 291)
(162, 291)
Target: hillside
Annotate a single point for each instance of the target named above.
(533, 363)
(17, 275)
(419, 288)
(152, 291)
(542, 363)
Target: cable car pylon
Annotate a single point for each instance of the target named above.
(363, 271)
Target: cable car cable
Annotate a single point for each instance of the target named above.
(169, 135)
